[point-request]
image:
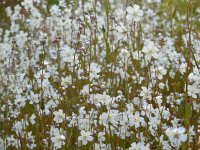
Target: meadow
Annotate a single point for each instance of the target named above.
(100, 75)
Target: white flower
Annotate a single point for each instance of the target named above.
(2, 143)
(124, 54)
(146, 93)
(31, 141)
(94, 71)
(21, 38)
(65, 81)
(32, 119)
(193, 90)
(13, 142)
(123, 132)
(183, 67)
(19, 126)
(67, 54)
(85, 137)
(139, 146)
(59, 116)
(121, 29)
(109, 117)
(176, 135)
(27, 4)
(42, 77)
(101, 136)
(160, 71)
(150, 50)
(191, 133)
(154, 122)
(57, 138)
(165, 144)
(33, 98)
(135, 120)
(85, 90)
(102, 146)
(55, 10)
(134, 13)
(84, 123)
(130, 107)
(20, 100)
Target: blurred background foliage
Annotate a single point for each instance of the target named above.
(171, 7)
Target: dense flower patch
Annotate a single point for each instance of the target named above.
(103, 75)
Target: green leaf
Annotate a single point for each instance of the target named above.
(107, 7)
(107, 50)
(103, 30)
(188, 113)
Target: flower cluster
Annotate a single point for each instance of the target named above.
(99, 75)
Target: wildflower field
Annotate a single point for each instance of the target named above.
(100, 75)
